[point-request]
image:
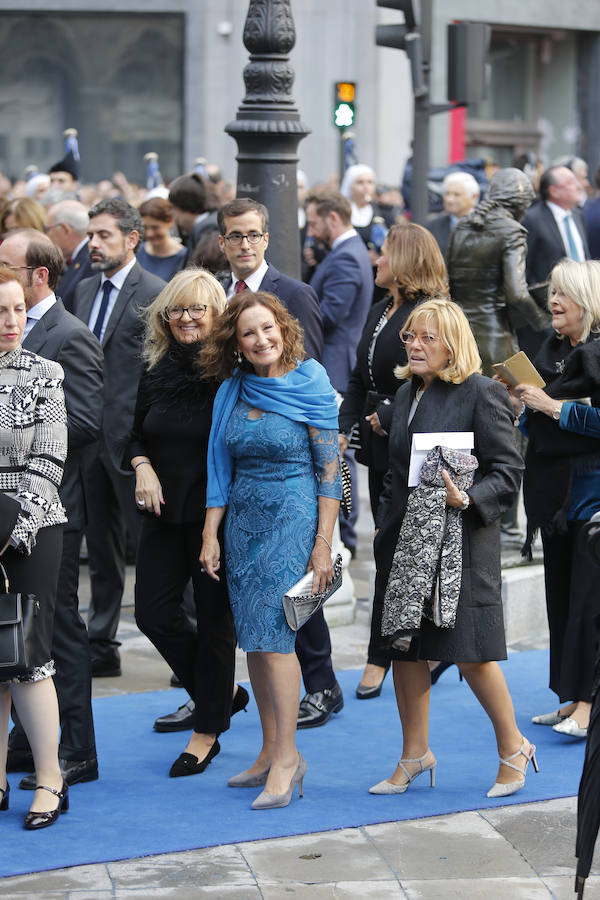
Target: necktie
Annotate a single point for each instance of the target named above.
(106, 288)
(573, 253)
(240, 286)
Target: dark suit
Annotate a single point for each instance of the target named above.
(109, 491)
(79, 269)
(440, 227)
(343, 282)
(302, 302)
(544, 242)
(544, 249)
(61, 337)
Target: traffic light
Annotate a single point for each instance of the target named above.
(344, 111)
(468, 48)
(405, 37)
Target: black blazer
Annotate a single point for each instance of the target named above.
(79, 269)
(440, 229)
(544, 243)
(63, 338)
(302, 302)
(122, 344)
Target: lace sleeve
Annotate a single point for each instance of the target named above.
(326, 460)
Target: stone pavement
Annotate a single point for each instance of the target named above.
(522, 852)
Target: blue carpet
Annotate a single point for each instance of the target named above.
(136, 810)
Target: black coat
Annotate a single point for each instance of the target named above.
(479, 405)
(389, 353)
(544, 242)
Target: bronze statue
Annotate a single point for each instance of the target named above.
(486, 267)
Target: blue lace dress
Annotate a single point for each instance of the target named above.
(280, 468)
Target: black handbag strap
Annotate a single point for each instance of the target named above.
(5, 578)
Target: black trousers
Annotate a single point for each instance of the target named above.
(111, 511)
(572, 602)
(71, 653)
(202, 658)
(377, 655)
(313, 649)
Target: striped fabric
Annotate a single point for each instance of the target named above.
(33, 441)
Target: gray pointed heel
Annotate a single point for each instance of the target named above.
(388, 787)
(276, 801)
(245, 780)
(505, 790)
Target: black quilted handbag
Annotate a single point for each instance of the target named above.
(17, 630)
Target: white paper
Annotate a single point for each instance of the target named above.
(422, 442)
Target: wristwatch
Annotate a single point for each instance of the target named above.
(556, 413)
(466, 500)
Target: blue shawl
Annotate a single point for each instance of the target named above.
(304, 395)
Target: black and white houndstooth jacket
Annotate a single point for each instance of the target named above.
(33, 441)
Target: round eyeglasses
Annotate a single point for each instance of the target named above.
(173, 313)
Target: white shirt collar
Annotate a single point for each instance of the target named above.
(42, 307)
(79, 247)
(557, 211)
(118, 279)
(252, 282)
(343, 237)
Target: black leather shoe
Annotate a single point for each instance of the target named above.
(363, 692)
(180, 720)
(316, 709)
(188, 764)
(105, 658)
(240, 701)
(74, 771)
(34, 820)
(19, 760)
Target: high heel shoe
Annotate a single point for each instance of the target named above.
(240, 701)
(4, 802)
(388, 787)
(188, 764)
(245, 780)
(440, 669)
(505, 790)
(364, 692)
(35, 820)
(275, 801)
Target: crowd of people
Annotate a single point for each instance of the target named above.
(172, 396)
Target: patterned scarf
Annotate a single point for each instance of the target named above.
(426, 571)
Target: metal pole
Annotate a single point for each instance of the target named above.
(420, 158)
(268, 129)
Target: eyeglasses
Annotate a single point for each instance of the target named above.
(173, 313)
(236, 238)
(8, 266)
(408, 337)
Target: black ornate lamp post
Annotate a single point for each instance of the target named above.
(268, 129)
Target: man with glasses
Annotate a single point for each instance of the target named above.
(54, 333)
(110, 304)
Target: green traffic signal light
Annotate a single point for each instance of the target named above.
(344, 93)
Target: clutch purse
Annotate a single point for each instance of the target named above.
(299, 604)
(17, 631)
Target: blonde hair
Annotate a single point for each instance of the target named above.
(455, 334)
(580, 282)
(191, 287)
(219, 356)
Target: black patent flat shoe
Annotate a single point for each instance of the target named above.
(34, 820)
(188, 764)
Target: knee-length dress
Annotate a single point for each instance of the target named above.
(281, 467)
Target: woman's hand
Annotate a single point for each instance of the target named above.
(375, 424)
(343, 444)
(148, 490)
(453, 495)
(210, 556)
(321, 565)
(536, 398)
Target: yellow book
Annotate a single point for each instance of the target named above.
(519, 369)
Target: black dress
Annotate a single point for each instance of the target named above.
(171, 427)
(479, 405)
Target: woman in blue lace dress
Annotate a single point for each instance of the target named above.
(273, 472)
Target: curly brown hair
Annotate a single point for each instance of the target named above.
(219, 356)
